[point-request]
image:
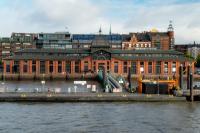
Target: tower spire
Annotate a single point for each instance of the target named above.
(100, 31)
(171, 35)
(170, 28)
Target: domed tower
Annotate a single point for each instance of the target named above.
(170, 32)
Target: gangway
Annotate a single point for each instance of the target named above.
(109, 83)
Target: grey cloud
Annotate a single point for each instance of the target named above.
(85, 16)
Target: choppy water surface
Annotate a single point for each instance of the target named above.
(95, 117)
(100, 117)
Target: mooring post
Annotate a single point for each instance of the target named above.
(129, 78)
(188, 77)
(191, 87)
(181, 76)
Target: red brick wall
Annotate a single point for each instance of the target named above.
(91, 63)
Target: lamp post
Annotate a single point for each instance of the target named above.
(43, 82)
(158, 86)
(141, 70)
(174, 72)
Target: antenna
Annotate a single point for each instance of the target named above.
(110, 32)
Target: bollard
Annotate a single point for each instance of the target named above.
(181, 76)
(188, 77)
(191, 88)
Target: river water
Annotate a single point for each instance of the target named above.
(136, 117)
(99, 117)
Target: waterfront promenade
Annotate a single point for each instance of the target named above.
(87, 97)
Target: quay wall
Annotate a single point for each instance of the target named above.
(68, 76)
(87, 97)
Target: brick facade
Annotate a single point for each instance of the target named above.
(94, 65)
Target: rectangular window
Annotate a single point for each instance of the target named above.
(150, 69)
(125, 67)
(59, 66)
(33, 66)
(68, 67)
(133, 67)
(184, 67)
(142, 67)
(85, 66)
(158, 67)
(16, 67)
(108, 66)
(42, 67)
(174, 67)
(25, 66)
(115, 67)
(94, 66)
(166, 67)
(51, 66)
(8, 66)
(77, 67)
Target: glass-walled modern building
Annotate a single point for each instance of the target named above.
(86, 40)
(58, 40)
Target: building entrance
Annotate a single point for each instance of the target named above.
(101, 66)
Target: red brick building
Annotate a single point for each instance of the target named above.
(30, 63)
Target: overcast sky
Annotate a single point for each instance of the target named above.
(86, 16)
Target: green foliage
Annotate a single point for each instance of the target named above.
(188, 56)
(197, 64)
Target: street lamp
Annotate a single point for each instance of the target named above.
(75, 87)
(158, 86)
(141, 70)
(174, 71)
(43, 82)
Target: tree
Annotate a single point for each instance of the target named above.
(197, 64)
(189, 55)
